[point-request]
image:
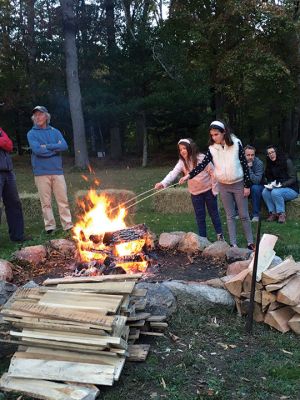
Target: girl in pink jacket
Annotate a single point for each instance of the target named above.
(203, 187)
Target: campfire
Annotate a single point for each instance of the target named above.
(105, 244)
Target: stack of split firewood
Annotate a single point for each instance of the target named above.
(277, 290)
(74, 334)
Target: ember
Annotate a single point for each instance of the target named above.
(104, 242)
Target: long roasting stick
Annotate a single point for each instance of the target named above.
(144, 198)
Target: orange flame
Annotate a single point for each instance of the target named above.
(94, 223)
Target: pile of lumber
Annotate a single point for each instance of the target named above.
(74, 334)
(277, 295)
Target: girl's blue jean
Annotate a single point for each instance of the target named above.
(209, 200)
(275, 199)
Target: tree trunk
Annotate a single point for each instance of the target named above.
(142, 137)
(73, 85)
(115, 143)
(115, 136)
(31, 48)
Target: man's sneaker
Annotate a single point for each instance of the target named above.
(49, 231)
(255, 219)
(237, 216)
(272, 217)
(220, 237)
(251, 246)
(281, 218)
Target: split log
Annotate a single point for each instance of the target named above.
(258, 314)
(281, 271)
(279, 318)
(267, 298)
(248, 282)
(294, 323)
(234, 285)
(276, 286)
(265, 255)
(290, 293)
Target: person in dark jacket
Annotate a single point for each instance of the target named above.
(256, 171)
(282, 184)
(9, 192)
(46, 144)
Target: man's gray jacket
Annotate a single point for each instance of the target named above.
(257, 172)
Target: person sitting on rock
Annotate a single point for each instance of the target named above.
(282, 184)
(203, 187)
(256, 171)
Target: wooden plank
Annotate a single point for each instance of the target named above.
(151, 333)
(138, 316)
(56, 327)
(63, 355)
(156, 318)
(95, 317)
(62, 371)
(294, 323)
(234, 285)
(139, 292)
(100, 278)
(94, 340)
(138, 352)
(281, 271)
(82, 301)
(159, 325)
(100, 287)
(279, 318)
(45, 390)
(290, 293)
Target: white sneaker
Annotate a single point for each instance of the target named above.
(237, 217)
(255, 219)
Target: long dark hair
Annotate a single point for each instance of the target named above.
(281, 160)
(192, 151)
(226, 131)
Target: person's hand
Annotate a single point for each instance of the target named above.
(250, 164)
(183, 179)
(158, 186)
(59, 142)
(43, 146)
(246, 192)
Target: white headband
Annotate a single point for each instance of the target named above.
(219, 124)
(184, 141)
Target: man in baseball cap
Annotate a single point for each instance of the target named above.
(46, 144)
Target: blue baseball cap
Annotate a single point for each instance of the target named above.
(40, 108)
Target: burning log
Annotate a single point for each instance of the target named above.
(135, 232)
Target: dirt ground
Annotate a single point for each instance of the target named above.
(164, 265)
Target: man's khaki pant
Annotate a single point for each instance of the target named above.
(56, 183)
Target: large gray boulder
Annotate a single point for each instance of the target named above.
(197, 293)
(160, 299)
(6, 291)
(236, 254)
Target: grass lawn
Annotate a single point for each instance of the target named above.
(213, 357)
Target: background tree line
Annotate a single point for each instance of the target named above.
(130, 77)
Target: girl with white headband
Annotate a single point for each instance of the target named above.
(232, 173)
(203, 187)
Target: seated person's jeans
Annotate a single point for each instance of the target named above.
(275, 199)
